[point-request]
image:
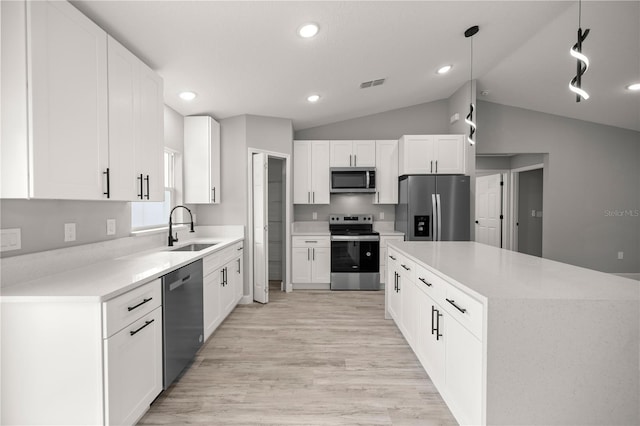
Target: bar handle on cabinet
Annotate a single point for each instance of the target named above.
(308, 197)
(141, 194)
(238, 260)
(146, 323)
(131, 308)
(405, 267)
(438, 334)
(108, 193)
(350, 160)
(436, 166)
(431, 171)
(391, 257)
(425, 281)
(313, 197)
(355, 160)
(453, 302)
(308, 254)
(313, 252)
(147, 179)
(433, 322)
(214, 194)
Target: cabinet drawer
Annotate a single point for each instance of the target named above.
(310, 241)
(123, 310)
(406, 267)
(211, 263)
(232, 252)
(431, 284)
(467, 310)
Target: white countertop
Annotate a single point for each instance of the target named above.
(105, 280)
(490, 272)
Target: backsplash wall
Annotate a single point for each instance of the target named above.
(344, 203)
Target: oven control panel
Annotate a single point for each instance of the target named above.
(349, 219)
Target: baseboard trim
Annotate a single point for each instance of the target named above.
(246, 300)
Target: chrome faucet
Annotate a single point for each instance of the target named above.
(171, 238)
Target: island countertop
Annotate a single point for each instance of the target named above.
(492, 273)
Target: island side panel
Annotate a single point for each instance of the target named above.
(563, 362)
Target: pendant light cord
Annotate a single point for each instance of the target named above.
(471, 75)
(579, 13)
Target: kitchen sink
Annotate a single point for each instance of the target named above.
(193, 247)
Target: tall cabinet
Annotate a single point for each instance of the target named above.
(202, 154)
(432, 154)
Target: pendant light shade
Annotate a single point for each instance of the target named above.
(469, 33)
(582, 62)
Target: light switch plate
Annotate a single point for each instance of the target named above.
(111, 227)
(10, 239)
(315, 215)
(620, 255)
(381, 215)
(69, 232)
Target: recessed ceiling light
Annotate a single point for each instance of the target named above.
(635, 87)
(188, 96)
(445, 69)
(313, 98)
(308, 30)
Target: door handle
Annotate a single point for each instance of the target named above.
(108, 193)
(147, 179)
(141, 194)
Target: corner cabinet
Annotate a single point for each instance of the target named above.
(386, 172)
(432, 154)
(311, 172)
(56, 141)
(202, 157)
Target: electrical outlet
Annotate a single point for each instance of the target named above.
(10, 239)
(381, 215)
(533, 213)
(315, 215)
(111, 227)
(620, 255)
(69, 232)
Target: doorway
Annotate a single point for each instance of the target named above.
(490, 209)
(269, 223)
(529, 205)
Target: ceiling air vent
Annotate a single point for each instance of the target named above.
(372, 83)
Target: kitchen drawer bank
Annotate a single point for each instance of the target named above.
(509, 338)
(91, 354)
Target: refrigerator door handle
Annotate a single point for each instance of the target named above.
(434, 216)
(439, 217)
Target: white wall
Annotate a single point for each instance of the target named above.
(591, 179)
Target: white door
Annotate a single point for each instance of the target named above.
(341, 154)
(449, 154)
(260, 232)
(364, 153)
(488, 201)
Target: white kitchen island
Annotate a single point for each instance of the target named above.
(509, 338)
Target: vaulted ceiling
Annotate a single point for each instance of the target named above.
(244, 57)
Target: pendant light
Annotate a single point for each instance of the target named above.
(582, 62)
(469, 33)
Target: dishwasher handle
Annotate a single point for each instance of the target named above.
(179, 283)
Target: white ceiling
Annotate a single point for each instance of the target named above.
(245, 57)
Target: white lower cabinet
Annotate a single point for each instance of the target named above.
(133, 369)
(311, 259)
(383, 253)
(444, 327)
(223, 285)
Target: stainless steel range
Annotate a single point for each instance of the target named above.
(355, 252)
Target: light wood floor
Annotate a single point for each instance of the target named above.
(306, 358)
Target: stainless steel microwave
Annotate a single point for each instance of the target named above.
(352, 179)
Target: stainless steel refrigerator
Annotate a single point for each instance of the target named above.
(433, 207)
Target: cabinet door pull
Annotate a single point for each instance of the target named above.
(398, 280)
(425, 281)
(431, 167)
(311, 241)
(433, 322)
(146, 323)
(405, 267)
(395, 282)
(108, 193)
(308, 197)
(222, 277)
(438, 334)
(238, 260)
(147, 179)
(240, 248)
(355, 161)
(141, 194)
(313, 252)
(453, 302)
(131, 308)
(392, 258)
(350, 160)
(214, 194)
(436, 166)
(313, 196)
(308, 254)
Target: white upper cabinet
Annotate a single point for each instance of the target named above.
(360, 153)
(59, 142)
(65, 150)
(136, 132)
(432, 154)
(202, 160)
(311, 172)
(386, 172)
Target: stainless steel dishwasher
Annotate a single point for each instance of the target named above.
(182, 318)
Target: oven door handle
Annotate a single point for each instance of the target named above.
(355, 238)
